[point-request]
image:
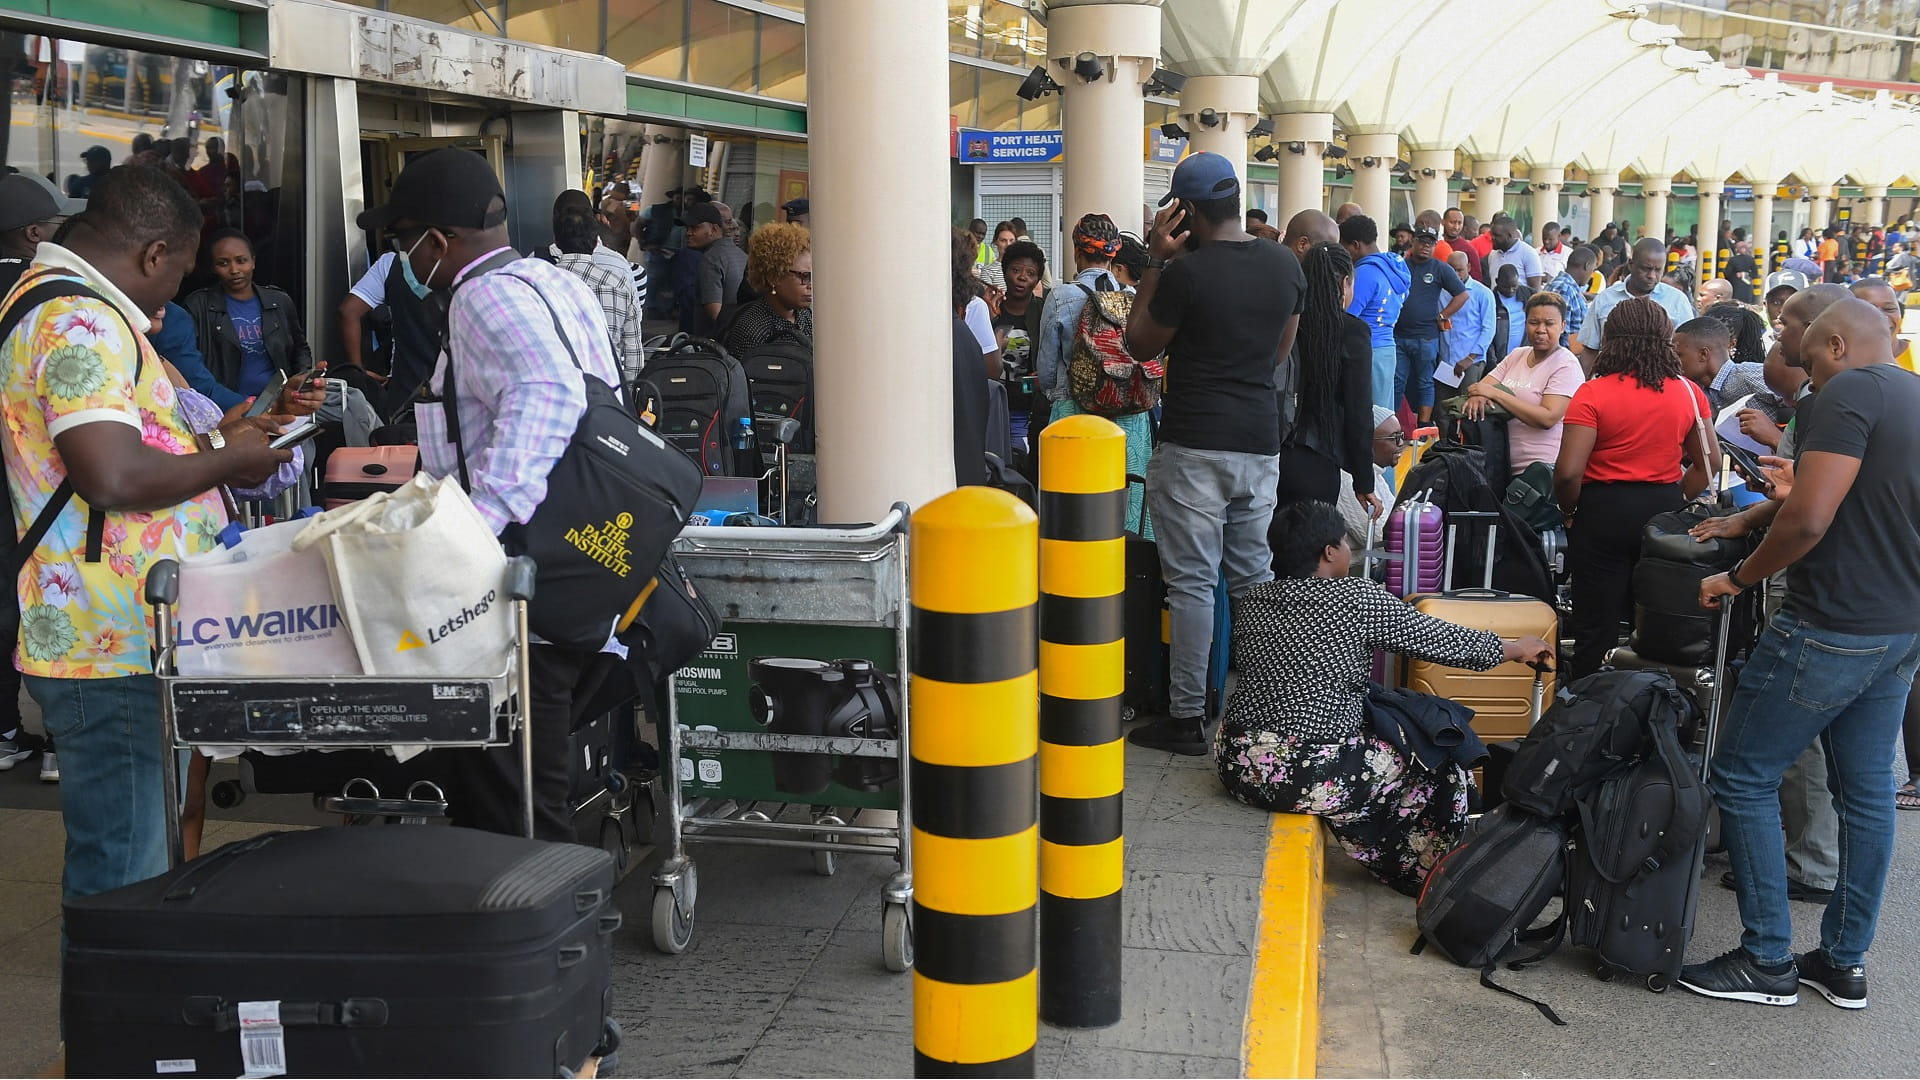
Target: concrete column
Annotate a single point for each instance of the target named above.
(1876, 196)
(1490, 188)
(1430, 192)
(1763, 228)
(1545, 182)
(1301, 138)
(884, 374)
(1821, 214)
(1655, 190)
(1106, 118)
(1373, 184)
(1233, 104)
(663, 161)
(1601, 188)
(1709, 192)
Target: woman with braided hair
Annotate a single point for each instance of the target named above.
(1096, 240)
(1326, 409)
(1637, 441)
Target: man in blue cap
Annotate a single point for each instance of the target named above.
(1223, 306)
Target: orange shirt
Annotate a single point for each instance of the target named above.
(1442, 250)
(1829, 250)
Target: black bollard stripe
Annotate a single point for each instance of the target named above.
(973, 803)
(1080, 960)
(1080, 822)
(1020, 1064)
(1098, 515)
(1079, 721)
(968, 950)
(1082, 620)
(981, 648)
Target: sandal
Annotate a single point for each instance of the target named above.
(1908, 797)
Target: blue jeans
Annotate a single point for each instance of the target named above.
(1385, 368)
(110, 780)
(1849, 691)
(1414, 359)
(1211, 509)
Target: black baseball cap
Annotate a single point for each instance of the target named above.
(705, 213)
(796, 207)
(1425, 232)
(451, 188)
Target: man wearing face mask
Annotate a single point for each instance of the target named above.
(519, 333)
(395, 300)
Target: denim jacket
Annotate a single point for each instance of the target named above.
(1059, 323)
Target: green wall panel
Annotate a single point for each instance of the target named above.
(182, 19)
(696, 108)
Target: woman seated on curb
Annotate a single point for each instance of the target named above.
(1296, 738)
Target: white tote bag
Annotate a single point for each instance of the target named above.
(260, 609)
(419, 579)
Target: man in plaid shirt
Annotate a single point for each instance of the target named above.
(1580, 263)
(576, 234)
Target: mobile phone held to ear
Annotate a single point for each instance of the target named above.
(268, 395)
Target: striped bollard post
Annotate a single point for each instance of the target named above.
(974, 584)
(1083, 519)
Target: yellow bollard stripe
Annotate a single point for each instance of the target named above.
(1086, 672)
(1082, 873)
(995, 876)
(1084, 567)
(1008, 739)
(1083, 772)
(975, 1024)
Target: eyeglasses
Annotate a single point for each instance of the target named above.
(805, 276)
(1398, 438)
(403, 243)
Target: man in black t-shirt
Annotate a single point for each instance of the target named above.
(1744, 271)
(1224, 306)
(1834, 665)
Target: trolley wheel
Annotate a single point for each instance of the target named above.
(227, 794)
(672, 929)
(896, 937)
(1603, 972)
(1658, 983)
(823, 863)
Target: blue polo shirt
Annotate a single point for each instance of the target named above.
(1420, 315)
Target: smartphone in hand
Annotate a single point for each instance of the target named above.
(269, 395)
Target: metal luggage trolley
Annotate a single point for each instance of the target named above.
(814, 636)
(341, 712)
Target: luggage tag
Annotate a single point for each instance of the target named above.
(263, 1040)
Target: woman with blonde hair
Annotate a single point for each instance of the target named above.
(780, 269)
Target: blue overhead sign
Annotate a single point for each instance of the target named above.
(1162, 149)
(1739, 192)
(1011, 147)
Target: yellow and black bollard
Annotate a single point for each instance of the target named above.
(1083, 518)
(974, 734)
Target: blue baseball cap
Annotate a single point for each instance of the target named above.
(1203, 177)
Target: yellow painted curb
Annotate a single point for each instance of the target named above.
(1282, 1032)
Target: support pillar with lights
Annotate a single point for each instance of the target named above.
(1299, 141)
(1708, 250)
(1490, 188)
(1602, 186)
(1654, 192)
(1431, 171)
(1105, 114)
(1372, 158)
(1820, 215)
(885, 374)
(1545, 182)
(1218, 111)
(1875, 210)
(1762, 231)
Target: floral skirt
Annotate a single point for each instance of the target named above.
(1387, 811)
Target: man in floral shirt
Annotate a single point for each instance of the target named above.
(86, 402)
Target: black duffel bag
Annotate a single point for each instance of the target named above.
(1669, 625)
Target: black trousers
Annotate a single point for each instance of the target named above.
(487, 782)
(1602, 547)
(1304, 474)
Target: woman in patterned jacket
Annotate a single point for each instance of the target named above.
(1296, 739)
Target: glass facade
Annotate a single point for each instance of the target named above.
(1867, 41)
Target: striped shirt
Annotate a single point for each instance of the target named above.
(614, 290)
(519, 395)
(1576, 299)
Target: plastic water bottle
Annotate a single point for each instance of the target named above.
(743, 434)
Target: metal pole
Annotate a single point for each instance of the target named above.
(163, 592)
(974, 697)
(1083, 519)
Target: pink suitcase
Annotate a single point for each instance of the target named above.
(355, 472)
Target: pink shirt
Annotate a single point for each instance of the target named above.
(1558, 374)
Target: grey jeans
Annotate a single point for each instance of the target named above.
(1813, 828)
(1210, 513)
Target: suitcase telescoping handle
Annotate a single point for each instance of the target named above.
(1454, 520)
(223, 1015)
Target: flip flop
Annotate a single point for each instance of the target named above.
(1908, 797)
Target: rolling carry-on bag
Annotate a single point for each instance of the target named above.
(1145, 623)
(1416, 545)
(355, 472)
(401, 951)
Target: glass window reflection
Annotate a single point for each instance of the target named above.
(720, 45)
(648, 36)
(783, 59)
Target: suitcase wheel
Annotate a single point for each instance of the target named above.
(896, 937)
(672, 927)
(1658, 982)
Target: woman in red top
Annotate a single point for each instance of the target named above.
(1636, 443)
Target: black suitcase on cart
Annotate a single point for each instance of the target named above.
(390, 951)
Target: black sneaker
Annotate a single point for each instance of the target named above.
(1174, 734)
(1734, 976)
(1844, 986)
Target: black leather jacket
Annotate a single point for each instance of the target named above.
(280, 330)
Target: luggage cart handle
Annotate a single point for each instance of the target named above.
(163, 583)
(520, 574)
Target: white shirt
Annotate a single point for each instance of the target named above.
(1552, 262)
(372, 286)
(1522, 256)
(980, 321)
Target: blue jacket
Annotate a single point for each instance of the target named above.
(1432, 730)
(178, 341)
(1472, 324)
(1516, 329)
(1380, 284)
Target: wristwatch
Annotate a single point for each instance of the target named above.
(216, 440)
(1156, 264)
(1733, 575)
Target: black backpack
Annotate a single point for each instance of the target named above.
(699, 395)
(1453, 476)
(780, 380)
(1479, 902)
(1597, 725)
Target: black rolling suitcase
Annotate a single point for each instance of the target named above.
(401, 951)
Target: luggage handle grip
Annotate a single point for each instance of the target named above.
(611, 922)
(222, 1015)
(587, 899)
(188, 883)
(571, 955)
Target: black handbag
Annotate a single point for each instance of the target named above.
(675, 623)
(615, 500)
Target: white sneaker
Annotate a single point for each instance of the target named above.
(49, 768)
